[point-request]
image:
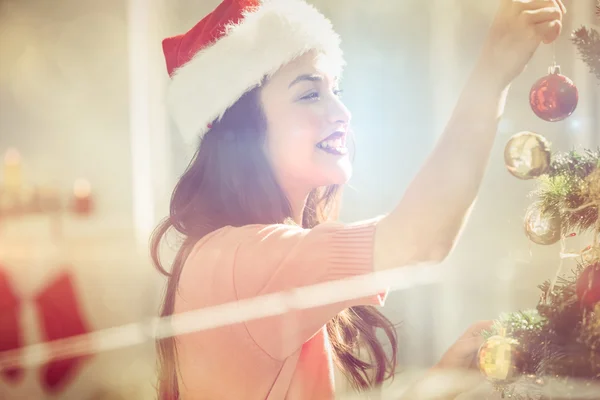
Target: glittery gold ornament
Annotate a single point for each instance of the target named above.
(527, 155)
(541, 228)
(499, 358)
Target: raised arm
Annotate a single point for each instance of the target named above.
(428, 220)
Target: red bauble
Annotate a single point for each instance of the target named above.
(588, 286)
(553, 97)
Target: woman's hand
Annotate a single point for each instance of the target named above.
(455, 374)
(463, 353)
(519, 27)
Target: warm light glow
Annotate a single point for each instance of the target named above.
(576, 124)
(82, 188)
(12, 157)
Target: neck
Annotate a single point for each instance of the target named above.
(298, 204)
(297, 198)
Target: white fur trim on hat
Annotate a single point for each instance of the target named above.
(266, 39)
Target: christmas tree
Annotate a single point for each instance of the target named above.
(587, 41)
(553, 351)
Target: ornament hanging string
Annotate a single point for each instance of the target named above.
(559, 269)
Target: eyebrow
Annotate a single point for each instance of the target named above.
(306, 77)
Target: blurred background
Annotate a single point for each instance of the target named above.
(83, 124)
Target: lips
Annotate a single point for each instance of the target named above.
(334, 144)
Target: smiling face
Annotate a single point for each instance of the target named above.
(307, 126)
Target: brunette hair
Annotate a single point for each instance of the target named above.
(230, 182)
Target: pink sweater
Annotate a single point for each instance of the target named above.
(280, 357)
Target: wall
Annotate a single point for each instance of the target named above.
(65, 105)
(64, 95)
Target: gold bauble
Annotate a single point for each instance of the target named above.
(541, 228)
(527, 155)
(498, 359)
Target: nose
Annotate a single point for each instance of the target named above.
(338, 112)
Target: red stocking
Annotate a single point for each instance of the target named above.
(61, 317)
(10, 335)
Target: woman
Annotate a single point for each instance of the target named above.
(257, 81)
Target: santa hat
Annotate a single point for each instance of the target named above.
(233, 49)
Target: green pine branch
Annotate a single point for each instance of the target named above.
(554, 340)
(512, 324)
(587, 41)
(560, 306)
(563, 190)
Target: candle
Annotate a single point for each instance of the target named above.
(82, 191)
(12, 170)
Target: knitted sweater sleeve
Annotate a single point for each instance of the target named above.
(278, 258)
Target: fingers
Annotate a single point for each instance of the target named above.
(546, 22)
(547, 14)
(477, 328)
(544, 17)
(466, 351)
(463, 352)
(548, 31)
(468, 345)
(562, 6)
(536, 4)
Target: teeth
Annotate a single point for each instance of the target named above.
(331, 145)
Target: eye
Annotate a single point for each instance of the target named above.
(311, 96)
(316, 96)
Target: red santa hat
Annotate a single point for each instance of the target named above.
(233, 49)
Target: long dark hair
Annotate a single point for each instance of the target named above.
(230, 182)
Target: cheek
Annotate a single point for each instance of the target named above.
(295, 138)
(305, 127)
(292, 152)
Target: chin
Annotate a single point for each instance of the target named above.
(338, 175)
